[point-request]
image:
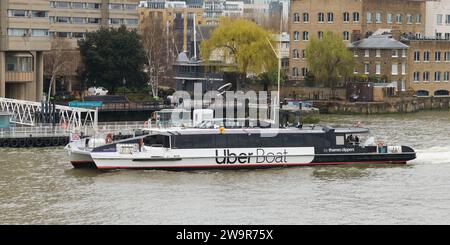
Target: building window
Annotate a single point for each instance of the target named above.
(394, 53)
(437, 56)
(78, 20)
(330, 17)
(366, 68)
(305, 36)
(305, 17)
(418, 18)
(17, 32)
(416, 56)
(355, 17)
(76, 5)
(378, 17)
(321, 17)
(399, 18)
(447, 56)
(447, 36)
(62, 19)
(437, 76)
(115, 21)
(93, 5)
(369, 17)
(378, 68)
(389, 18)
(295, 54)
(409, 19)
(17, 13)
(416, 76)
(378, 53)
(115, 6)
(426, 56)
(296, 35)
(403, 53)
(355, 53)
(39, 14)
(303, 54)
(447, 19)
(346, 35)
(296, 17)
(295, 72)
(346, 16)
(320, 34)
(394, 69)
(439, 19)
(39, 32)
(403, 69)
(426, 76)
(446, 76)
(366, 53)
(304, 72)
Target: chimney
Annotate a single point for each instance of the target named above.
(396, 34)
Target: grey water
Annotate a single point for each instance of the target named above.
(39, 186)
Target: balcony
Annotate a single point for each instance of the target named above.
(19, 77)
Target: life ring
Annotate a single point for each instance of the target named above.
(38, 142)
(5, 143)
(109, 138)
(29, 142)
(55, 142)
(47, 142)
(14, 142)
(63, 141)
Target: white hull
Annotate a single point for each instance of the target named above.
(79, 156)
(205, 158)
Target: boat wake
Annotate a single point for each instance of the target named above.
(433, 155)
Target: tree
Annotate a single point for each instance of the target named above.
(113, 58)
(242, 43)
(158, 52)
(329, 60)
(270, 78)
(58, 62)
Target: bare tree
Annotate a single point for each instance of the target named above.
(157, 43)
(58, 62)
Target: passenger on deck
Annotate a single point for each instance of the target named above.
(356, 140)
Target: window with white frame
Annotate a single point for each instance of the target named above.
(447, 56)
(378, 53)
(418, 19)
(394, 69)
(378, 17)
(426, 56)
(389, 18)
(416, 76)
(296, 17)
(416, 56)
(399, 18)
(437, 56)
(369, 17)
(305, 36)
(305, 17)
(439, 19)
(403, 52)
(320, 34)
(295, 54)
(330, 17)
(295, 72)
(366, 68)
(437, 76)
(346, 16)
(394, 53)
(296, 35)
(409, 19)
(320, 17)
(378, 68)
(346, 35)
(446, 76)
(426, 76)
(355, 16)
(403, 69)
(366, 53)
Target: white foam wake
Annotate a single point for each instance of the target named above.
(433, 155)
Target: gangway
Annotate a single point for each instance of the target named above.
(24, 113)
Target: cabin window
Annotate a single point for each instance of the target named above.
(157, 141)
(340, 140)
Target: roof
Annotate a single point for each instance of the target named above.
(378, 42)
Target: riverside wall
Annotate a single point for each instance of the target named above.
(391, 105)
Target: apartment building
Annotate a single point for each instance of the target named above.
(438, 19)
(24, 37)
(73, 18)
(429, 67)
(384, 58)
(350, 18)
(177, 15)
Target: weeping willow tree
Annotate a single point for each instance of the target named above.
(243, 44)
(329, 60)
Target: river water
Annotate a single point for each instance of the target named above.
(39, 186)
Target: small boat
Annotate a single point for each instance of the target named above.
(242, 148)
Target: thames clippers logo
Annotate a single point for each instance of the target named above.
(261, 156)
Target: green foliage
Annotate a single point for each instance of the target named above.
(244, 43)
(112, 56)
(329, 60)
(270, 78)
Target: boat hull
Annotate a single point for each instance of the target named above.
(237, 160)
